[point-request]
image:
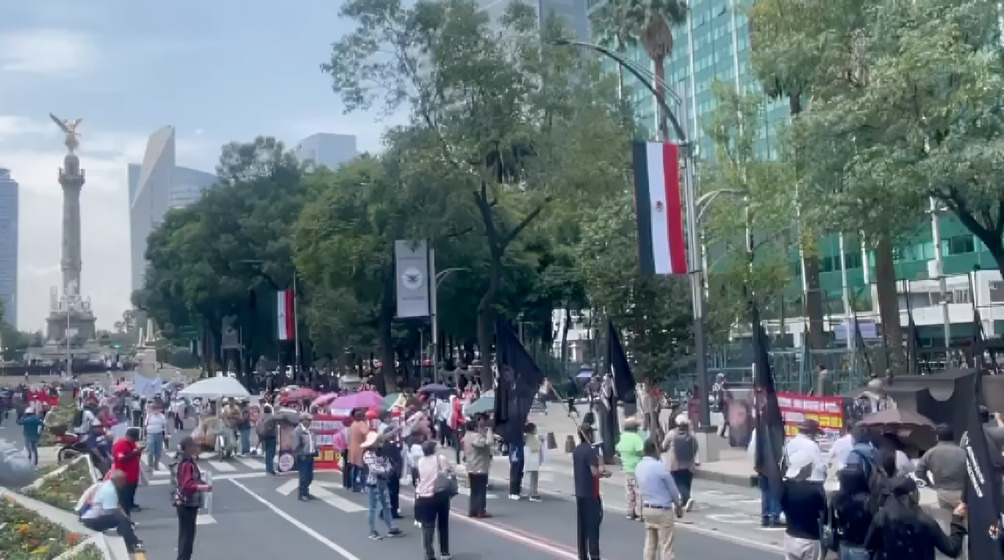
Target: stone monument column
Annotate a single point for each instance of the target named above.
(71, 178)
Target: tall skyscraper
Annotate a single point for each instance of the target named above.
(155, 186)
(8, 246)
(572, 13)
(327, 149)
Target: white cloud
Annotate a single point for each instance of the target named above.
(34, 157)
(48, 52)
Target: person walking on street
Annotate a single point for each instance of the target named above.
(533, 458)
(660, 500)
(432, 500)
(947, 462)
(630, 447)
(245, 429)
(188, 496)
(378, 469)
(803, 502)
(156, 428)
(478, 454)
(31, 427)
(516, 464)
(586, 474)
(266, 435)
(304, 449)
(126, 455)
(358, 431)
(391, 448)
(681, 458)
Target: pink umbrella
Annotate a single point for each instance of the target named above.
(323, 400)
(362, 399)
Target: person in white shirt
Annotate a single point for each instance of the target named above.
(156, 426)
(841, 448)
(804, 441)
(103, 512)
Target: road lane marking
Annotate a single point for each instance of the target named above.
(221, 466)
(288, 487)
(337, 502)
(237, 476)
(162, 470)
(205, 519)
(335, 547)
(250, 463)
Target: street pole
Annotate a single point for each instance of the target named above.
(848, 315)
(433, 312)
(296, 328)
(942, 286)
(69, 355)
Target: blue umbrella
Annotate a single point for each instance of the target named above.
(437, 389)
(480, 406)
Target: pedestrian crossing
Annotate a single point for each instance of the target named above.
(210, 462)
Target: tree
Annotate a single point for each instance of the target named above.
(656, 36)
(753, 197)
(127, 325)
(218, 256)
(620, 21)
(501, 104)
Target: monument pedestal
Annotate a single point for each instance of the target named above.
(81, 324)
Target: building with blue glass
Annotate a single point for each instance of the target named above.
(8, 246)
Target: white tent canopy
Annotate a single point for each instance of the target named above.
(215, 388)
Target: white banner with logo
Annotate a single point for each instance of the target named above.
(413, 278)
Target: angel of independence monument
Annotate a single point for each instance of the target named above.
(71, 324)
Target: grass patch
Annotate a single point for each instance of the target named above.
(64, 489)
(89, 552)
(26, 535)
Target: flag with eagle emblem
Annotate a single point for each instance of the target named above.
(659, 208)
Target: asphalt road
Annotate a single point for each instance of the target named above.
(253, 515)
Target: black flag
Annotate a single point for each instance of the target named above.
(624, 383)
(983, 485)
(769, 444)
(519, 379)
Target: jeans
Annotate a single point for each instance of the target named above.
(479, 494)
(31, 446)
(515, 478)
(684, 479)
(305, 469)
(156, 449)
(588, 516)
(269, 444)
(433, 513)
(246, 441)
(127, 497)
(346, 473)
(378, 504)
(394, 494)
(114, 520)
(770, 508)
(186, 531)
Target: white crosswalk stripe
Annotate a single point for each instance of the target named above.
(162, 470)
(336, 501)
(251, 463)
(222, 466)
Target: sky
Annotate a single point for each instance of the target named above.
(217, 71)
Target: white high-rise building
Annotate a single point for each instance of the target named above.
(155, 186)
(8, 246)
(327, 149)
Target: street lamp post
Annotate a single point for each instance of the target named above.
(434, 314)
(693, 239)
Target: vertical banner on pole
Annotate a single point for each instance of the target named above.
(412, 267)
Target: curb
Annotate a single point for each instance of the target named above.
(746, 481)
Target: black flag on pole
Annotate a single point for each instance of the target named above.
(624, 383)
(519, 379)
(983, 485)
(769, 444)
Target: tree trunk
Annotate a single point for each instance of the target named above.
(486, 317)
(888, 302)
(564, 340)
(387, 305)
(814, 305)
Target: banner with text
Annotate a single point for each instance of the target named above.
(413, 278)
(828, 411)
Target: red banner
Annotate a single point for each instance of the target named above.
(325, 427)
(828, 411)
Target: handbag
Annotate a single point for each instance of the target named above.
(445, 481)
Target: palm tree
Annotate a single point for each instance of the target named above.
(621, 21)
(656, 35)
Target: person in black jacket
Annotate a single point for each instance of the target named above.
(851, 514)
(903, 531)
(391, 448)
(803, 502)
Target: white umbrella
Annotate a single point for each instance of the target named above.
(216, 388)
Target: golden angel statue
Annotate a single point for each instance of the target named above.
(70, 128)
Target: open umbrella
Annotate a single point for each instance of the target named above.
(436, 389)
(298, 394)
(912, 428)
(323, 400)
(390, 399)
(216, 388)
(362, 399)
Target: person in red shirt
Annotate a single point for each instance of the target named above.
(126, 454)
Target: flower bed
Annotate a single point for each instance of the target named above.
(64, 489)
(25, 535)
(89, 552)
